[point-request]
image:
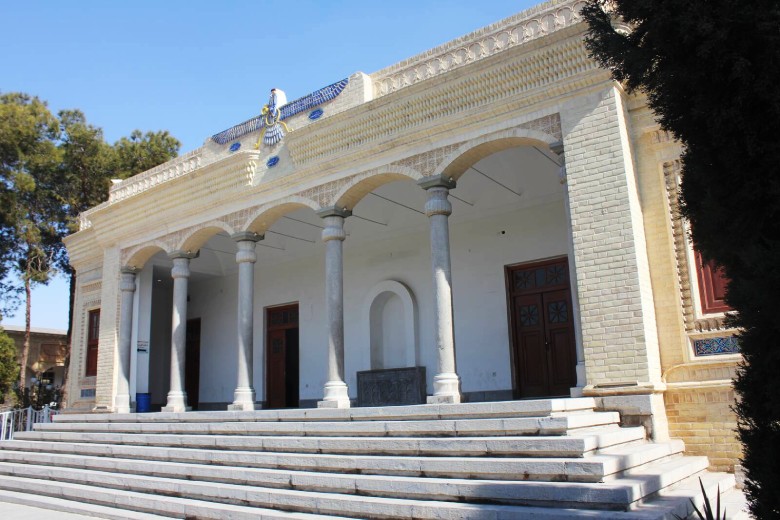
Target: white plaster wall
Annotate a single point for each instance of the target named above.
(215, 302)
(480, 250)
(139, 367)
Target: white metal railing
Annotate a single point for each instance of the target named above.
(22, 420)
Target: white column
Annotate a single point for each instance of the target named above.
(244, 395)
(446, 383)
(575, 311)
(336, 392)
(177, 397)
(127, 290)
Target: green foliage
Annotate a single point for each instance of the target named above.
(29, 211)
(140, 152)
(711, 73)
(9, 367)
(709, 513)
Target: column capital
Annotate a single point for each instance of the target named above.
(179, 253)
(246, 252)
(127, 279)
(247, 236)
(128, 269)
(437, 203)
(557, 149)
(439, 181)
(333, 211)
(181, 267)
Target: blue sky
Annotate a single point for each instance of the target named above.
(195, 68)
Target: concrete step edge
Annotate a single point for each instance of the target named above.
(563, 494)
(324, 503)
(122, 502)
(427, 411)
(61, 505)
(396, 446)
(550, 425)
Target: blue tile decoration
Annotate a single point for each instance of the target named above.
(272, 161)
(235, 146)
(314, 99)
(87, 392)
(716, 346)
(315, 114)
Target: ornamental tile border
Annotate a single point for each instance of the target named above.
(318, 97)
(716, 346)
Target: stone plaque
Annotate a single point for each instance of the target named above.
(392, 386)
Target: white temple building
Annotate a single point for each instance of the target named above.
(491, 220)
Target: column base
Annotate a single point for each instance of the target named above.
(243, 400)
(177, 402)
(446, 389)
(122, 404)
(336, 395)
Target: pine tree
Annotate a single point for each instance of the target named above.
(711, 73)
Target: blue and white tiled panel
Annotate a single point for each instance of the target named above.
(716, 346)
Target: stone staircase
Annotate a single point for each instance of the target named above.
(545, 459)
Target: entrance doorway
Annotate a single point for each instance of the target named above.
(282, 356)
(541, 328)
(192, 363)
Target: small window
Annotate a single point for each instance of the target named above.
(712, 286)
(93, 332)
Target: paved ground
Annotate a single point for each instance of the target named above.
(10, 511)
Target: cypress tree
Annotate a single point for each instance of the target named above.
(711, 73)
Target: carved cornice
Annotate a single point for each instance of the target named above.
(165, 172)
(508, 85)
(511, 32)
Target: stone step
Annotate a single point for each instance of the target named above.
(416, 471)
(82, 498)
(550, 425)
(573, 445)
(415, 504)
(456, 466)
(529, 408)
(61, 505)
(177, 507)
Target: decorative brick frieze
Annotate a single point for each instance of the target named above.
(511, 85)
(516, 30)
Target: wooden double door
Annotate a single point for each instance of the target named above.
(282, 357)
(542, 328)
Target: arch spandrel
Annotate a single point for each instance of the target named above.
(194, 240)
(139, 255)
(264, 217)
(475, 150)
(360, 186)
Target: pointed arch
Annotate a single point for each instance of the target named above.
(471, 152)
(363, 184)
(195, 240)
(264, 217)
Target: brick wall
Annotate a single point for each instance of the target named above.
(615, 293)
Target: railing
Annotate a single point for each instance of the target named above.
(22, 420)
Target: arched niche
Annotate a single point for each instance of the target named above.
(390, 314)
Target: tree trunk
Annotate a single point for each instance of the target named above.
(26, 344)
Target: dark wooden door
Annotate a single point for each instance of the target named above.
(542, 329)
(282, 375)
(192, 363)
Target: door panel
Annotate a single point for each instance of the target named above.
(192, 363)
(282, 357)
(277, 395)
(542, 329)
